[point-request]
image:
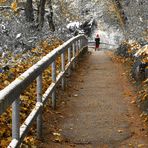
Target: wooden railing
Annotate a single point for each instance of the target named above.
(10, 95)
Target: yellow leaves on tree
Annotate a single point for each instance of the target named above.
(3, 1)
(14, 6)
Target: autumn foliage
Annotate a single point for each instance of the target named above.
(28, 98)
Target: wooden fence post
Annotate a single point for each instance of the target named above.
(54, 81)
(63, 69)
(69, 60)
(16, 119)
(74, 54)
(39, 99)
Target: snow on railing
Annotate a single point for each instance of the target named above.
(11, 94)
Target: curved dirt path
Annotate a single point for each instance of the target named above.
(95, 110)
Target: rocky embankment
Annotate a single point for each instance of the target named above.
(134, 49)
(136, 55)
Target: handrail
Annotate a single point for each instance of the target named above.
(10, 94)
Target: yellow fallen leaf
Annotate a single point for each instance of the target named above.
(131, 145)
(133, 102)
(145, 119)
(142, 114)
(14, 6)
(6, 82)
(57, 137)
(23, 97)
(56, 134)
(120, 131)
(141, 145)
(75, 95)
(144, 97)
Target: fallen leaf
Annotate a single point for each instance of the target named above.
(75, 95)
(131, 145)
(56, 134)
(133, 102)
(57, 137)
(141, 145)
(120, 131)
(6, 82)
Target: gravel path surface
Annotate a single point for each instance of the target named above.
(95, 112)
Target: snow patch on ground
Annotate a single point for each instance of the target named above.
(73, 25)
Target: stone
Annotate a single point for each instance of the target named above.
(122, 50)
(138, 70)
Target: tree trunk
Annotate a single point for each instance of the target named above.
(41, 14)
(50, 16)
(29, 11)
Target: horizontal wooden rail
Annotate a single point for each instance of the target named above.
(10, 95)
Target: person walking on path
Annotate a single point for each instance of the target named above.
(97, 42)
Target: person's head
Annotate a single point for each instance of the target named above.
(97, 35)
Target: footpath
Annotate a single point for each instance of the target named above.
(95, 111)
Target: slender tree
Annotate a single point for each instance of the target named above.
(41, 13)
(50, 16)
(29, 11)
